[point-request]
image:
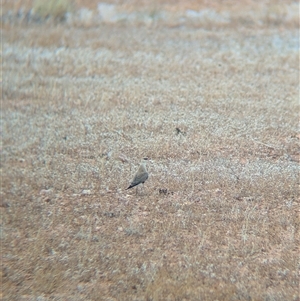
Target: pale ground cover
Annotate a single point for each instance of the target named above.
(216, 108)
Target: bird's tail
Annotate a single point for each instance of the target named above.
(130, 186)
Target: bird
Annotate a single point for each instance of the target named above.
(141, 175)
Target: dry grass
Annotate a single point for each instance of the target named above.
(172, 13)
(215, 108)
(56, 9)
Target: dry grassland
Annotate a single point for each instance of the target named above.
(215, 107)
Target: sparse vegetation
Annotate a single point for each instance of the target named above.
(216, 108)
(56, 9)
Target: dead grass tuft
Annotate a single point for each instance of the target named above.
(56, 9)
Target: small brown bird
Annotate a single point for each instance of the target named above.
(141, 176)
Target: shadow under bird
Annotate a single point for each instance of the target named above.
(141, 176)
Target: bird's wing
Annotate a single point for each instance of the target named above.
(140, 178)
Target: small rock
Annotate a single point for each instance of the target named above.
(86, 192)
(45, 192)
